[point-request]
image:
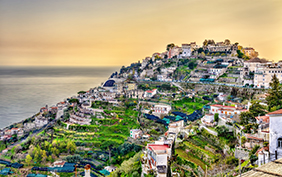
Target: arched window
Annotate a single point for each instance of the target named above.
(279, 142)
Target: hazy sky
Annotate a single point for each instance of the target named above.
(118, 32)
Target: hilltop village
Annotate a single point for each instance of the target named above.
(197, 110)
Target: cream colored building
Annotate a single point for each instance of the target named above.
(263, 76)
(250, 52)
(254, 64)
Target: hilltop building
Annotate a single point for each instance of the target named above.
(250, 52)
(186, 50)
(264, 74)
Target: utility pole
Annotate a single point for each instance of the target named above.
(75, 168)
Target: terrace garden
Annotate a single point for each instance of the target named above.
(189, 105)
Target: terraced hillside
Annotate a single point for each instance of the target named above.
(197, 154)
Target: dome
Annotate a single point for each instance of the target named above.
(109, 83)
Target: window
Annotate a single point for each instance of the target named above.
(279, 142)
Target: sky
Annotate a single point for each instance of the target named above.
(119, 32)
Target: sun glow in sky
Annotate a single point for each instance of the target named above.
(115, 33)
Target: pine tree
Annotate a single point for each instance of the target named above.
(274, 94)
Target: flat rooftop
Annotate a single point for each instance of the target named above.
(270, 169)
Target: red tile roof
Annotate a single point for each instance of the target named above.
(275, 112)
(158, 147)
(263, 148)
(263, 118)
(249, 136)
(217, 105)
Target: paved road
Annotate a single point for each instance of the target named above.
(203, 83)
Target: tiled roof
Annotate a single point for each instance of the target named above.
(158, 147)
(263, 118)
(249, 136)
(263, 148)
(275, 112)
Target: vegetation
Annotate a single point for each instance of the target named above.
(274, 98)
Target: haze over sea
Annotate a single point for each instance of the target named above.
(24, 90)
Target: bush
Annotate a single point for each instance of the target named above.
(216, 117)
(231, 160)
(73, 158)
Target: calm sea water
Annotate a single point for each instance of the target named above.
(23, 91)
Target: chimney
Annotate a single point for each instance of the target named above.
(87, 170)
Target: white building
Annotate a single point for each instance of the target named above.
(59, 164)
(110, 168)
(274, 150)
(150, 93)
(275, 130)
(156, 158)
(135, 133)
(223, 110)
(263, 75)
(40, 121)
(186, 50)
(176, 127)
(161, 109)
(209, 118)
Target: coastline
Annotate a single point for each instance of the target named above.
(10, 73)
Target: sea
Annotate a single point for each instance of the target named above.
(24, 90)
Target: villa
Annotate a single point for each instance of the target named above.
(226, 110)
(161, 109)
(150, 93)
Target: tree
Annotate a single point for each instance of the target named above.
(28, 159)
(44, 156)
(221, 130)
(216, 117)
(257, 109)
(240, 54)
(169, 46)
(274, 97)
(243, 140)
(245, 117)
(205, 43)
(227, 42)
(253, 158)
(71, 147)
(74, 100)
(81, 92)
(200, 50)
